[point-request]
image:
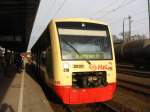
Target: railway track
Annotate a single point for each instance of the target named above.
(144, 89)
(135, 80)
(130, 69)
(112, 109)
(93, 107)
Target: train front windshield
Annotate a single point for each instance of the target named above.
(80, 44)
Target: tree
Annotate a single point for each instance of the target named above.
(116, 39)
(133, 37)
(138, 37)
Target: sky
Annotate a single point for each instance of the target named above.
(110, 11)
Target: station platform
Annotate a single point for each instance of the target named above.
(20, 93)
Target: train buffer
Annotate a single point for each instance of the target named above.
(20, 93)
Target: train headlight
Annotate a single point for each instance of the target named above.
(66, 67)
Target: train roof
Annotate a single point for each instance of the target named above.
(79, 20)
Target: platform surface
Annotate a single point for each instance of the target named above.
(20, 93)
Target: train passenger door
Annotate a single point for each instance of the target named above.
(49, 65)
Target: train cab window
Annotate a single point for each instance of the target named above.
(84, 43)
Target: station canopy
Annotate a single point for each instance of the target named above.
(16, 21)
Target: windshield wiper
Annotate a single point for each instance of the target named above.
(76, 51)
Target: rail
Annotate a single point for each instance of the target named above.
(136, 80)
(133, 71)
(92, 107)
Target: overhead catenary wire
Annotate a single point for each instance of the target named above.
(121, 5)
(107, 6)
(135, 22)
(60, 8)
(109, 11)
(135, 15)
(103, 9)
(53, 4)
(115, 22)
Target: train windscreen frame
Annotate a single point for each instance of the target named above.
(82, 40)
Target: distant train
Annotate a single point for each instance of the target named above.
(77, 58)
(136, 52)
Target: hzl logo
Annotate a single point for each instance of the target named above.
(100, 67)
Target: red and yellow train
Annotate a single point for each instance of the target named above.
(77, 58)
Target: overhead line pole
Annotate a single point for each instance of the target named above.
(130, 21)
(123, 31)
